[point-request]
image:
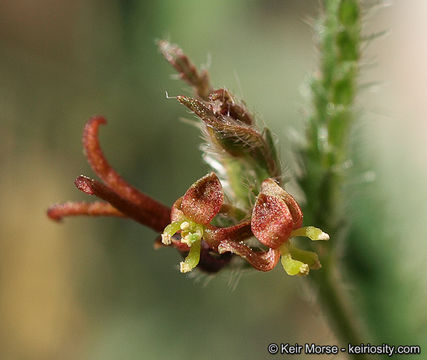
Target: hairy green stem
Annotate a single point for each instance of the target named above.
(341, 318)
(325, 154)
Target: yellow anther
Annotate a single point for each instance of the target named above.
(185, 225)
(166, 239)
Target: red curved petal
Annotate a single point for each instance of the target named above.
(271, 221)
(270, 187)
(260, 260)
(239, 232)
(203, 200)
(176, 212)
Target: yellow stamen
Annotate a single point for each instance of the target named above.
(170, 231)
(307, 257)
(311, 232)
(292, 266)
(192, 258)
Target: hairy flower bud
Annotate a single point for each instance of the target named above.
(237, 138)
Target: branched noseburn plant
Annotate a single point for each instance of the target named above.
(241, 210)
(207, 226)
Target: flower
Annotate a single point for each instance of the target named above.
(192, 216)
(277, 217)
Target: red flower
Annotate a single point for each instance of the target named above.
(276, 217)
(192, 215)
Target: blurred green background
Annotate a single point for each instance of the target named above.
(95, 288)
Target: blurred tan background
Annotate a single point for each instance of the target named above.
(95, 288)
